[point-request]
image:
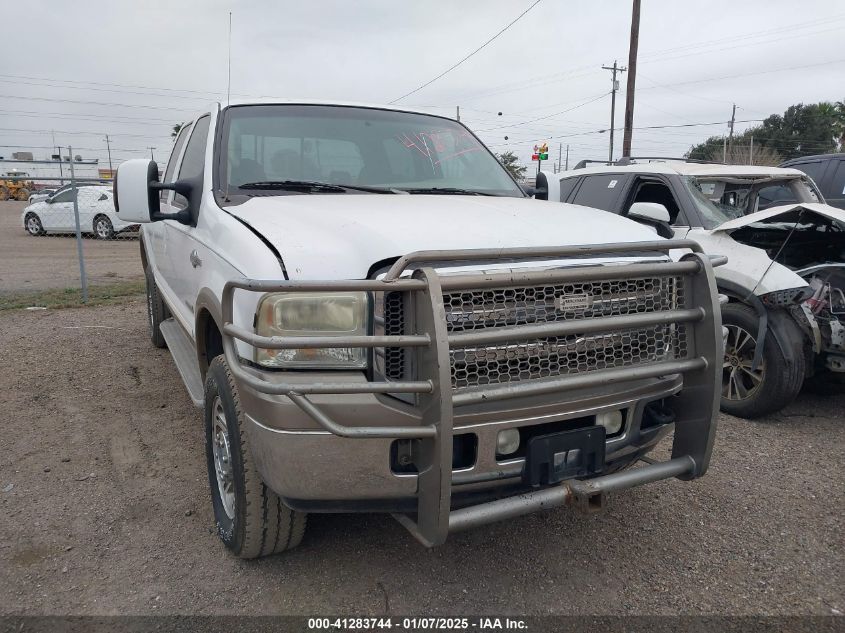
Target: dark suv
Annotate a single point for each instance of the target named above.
(828, 172)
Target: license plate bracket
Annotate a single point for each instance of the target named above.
(555, 457)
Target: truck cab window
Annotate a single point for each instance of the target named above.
(193, 163)
(566, 187)
(651, 191)
(601, 191)
(174, 157)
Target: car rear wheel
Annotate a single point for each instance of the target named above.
(251, 519)
(33, 224)
(103, 228)
(749, 392)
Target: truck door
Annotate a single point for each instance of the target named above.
(154, 232)
(186, 252)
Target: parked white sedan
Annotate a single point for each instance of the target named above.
(96, 213)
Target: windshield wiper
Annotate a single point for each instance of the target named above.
(310, 185)
(450, 191)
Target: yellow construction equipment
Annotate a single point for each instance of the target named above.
(14, 187)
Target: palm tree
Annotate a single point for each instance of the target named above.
(176, 129)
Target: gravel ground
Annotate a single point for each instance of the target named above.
(40, 263)
(104, 509)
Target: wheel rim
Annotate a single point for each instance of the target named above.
(223, 458)
(739, 381)
(32, 225)
(102, 229)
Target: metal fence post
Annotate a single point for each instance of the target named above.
(82, 275)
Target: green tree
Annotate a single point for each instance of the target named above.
(802, 130)
(511, 163)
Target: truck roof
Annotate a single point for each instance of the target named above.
(319, 102)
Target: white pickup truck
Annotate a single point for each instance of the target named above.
(375, 317)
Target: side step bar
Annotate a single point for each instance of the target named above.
(567, 492)
(185, 357)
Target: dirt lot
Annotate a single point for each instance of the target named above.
(39, 263)
(104, 509)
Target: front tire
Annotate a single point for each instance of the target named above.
(157, 312)
(251, 519)
(33, 225)
(22, 195)
(103, 228)
(748, 393)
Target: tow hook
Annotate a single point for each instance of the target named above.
(584, 498)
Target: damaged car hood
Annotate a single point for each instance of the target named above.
(751, 268)
(824, 210)
(343, 236)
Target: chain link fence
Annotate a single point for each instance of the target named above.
(63, 234)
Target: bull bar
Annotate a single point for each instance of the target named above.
(436, 399)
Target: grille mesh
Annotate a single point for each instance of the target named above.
(394, 325)
(553, 356)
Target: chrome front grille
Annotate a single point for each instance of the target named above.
(552, 356)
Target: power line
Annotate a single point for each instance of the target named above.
(548, 116)
(13, 129)
(100, 103)
(454, 66)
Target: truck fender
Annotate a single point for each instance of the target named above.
(207, 308)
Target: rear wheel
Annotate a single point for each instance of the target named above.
(5, 194)
(22, 195)
(251, 519)
(33, 224)
(749, 392)
(103, 228)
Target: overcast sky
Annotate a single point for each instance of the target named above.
(132, 69)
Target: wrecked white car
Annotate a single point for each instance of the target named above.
(785, 275)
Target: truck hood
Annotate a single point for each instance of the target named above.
(334, 236)
(825, 210)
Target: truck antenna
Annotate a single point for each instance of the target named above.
(229, 79)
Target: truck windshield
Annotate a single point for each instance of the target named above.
(296, 149)
(724, 198)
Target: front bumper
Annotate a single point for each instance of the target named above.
(286, 444)
(310, 458)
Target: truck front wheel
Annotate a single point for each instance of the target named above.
(251, 519)
(749, 392)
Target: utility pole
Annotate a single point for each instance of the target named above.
(733, 119)
(725, 149)
(83, 278)
(59, 150)
(615, 86)
(458, 113)
(567, 157)
(108, 149)
(632, 79)
(559, 156)
(751, 151)
(151, 153)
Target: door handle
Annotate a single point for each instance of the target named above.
(195, 259)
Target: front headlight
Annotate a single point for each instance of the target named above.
(292, 314)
